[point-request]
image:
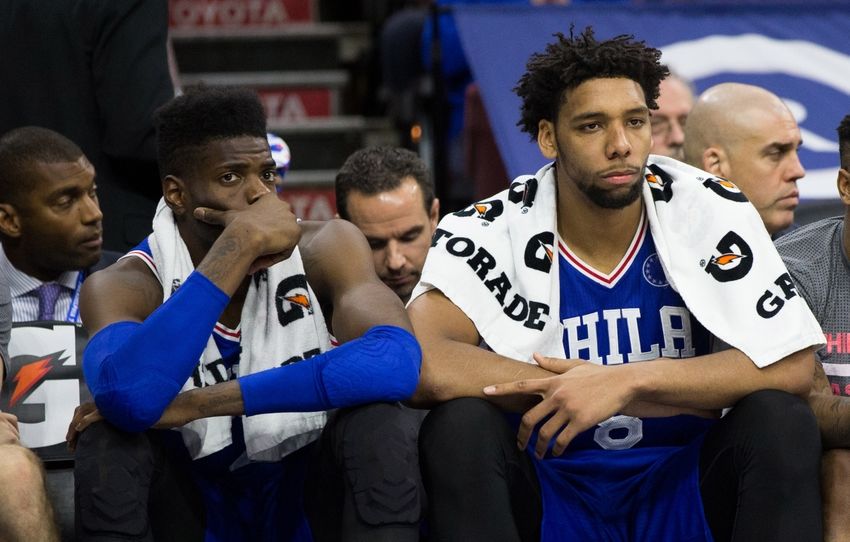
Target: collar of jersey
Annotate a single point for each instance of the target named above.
(611, 279)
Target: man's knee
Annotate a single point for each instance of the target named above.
(782, 429)
(458, 426)
(836, 464)
(779, 415)
(835, 471)
(464, 439)
(112, 477)
(380, 459)
(20, 470)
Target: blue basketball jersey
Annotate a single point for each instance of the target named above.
(628, 316)
(628, 479)
(245, 501)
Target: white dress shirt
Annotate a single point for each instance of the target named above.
(24, 299)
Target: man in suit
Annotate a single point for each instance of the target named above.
(94, 72)
(51, 232)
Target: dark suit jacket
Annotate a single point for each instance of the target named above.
(107, 258)
(94, 71)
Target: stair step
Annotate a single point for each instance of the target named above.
(288, 96)
(287, 78)
(308, 47)
(310, 178)
(329, 125)
(320, 149)
(256, 13)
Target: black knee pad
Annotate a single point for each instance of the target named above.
(112, 475)
(458, 424)
(381, 462)
(778, 415)
(783, 428)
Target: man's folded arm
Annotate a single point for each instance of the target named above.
(135, 369)
(378, 359)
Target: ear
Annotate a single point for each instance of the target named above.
(715, 161)
(434, 214)
(10, 221)
(174, 192)
(546, 139)
(844, 186)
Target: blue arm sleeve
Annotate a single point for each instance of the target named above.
(382, 365)
(135, 370)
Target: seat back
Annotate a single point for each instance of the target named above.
(45, 384)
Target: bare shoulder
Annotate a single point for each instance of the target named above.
(317, 237)
(434, 316)
(334, 250)
(125, 291)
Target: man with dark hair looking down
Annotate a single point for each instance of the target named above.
(388, 194)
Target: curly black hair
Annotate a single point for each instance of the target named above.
(570, 61)
(379, 169)
(844, 142)
(203, 114)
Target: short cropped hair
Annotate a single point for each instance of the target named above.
(379, 169)
(201, 115)
(570, 61)
(844, 142)
(21, 149)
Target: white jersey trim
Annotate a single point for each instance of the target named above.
(146, 258)
(227, 333)
(836, 369)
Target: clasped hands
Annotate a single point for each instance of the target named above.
(579, 396)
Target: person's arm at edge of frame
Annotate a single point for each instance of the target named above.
(832, 411)
(5, 327)
(377, 350)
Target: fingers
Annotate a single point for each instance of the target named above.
(211, 216)
(519, 387)
(558, 424)
(84, 415)
(77, 427)
(9, 433)
(10, 418)
(548, 430)
(566, 436)
(87, 420)
(529, 421)
(556, 365)
(71, 438)
(264, 262)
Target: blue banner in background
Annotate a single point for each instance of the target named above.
(802, 54)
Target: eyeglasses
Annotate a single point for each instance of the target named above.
(663, 126)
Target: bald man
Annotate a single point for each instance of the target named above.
(748, 135)
(668, 121)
